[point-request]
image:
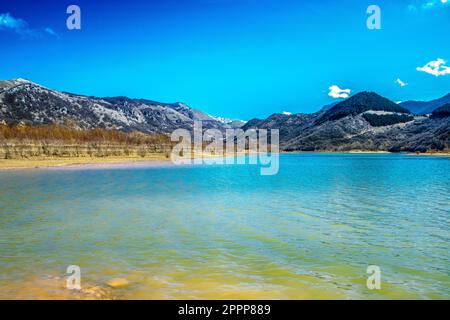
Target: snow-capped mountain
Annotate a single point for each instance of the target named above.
(24, 101)
(233, 123)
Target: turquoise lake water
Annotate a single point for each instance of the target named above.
(225, 232)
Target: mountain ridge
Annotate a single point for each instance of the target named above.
(359, 103)
(25, 101)
(365, 121)
(425, 107)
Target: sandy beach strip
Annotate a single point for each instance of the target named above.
(150, 160)
(84, 162)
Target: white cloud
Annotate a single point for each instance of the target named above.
(436, 68)
(9, 22)
(401, 83)
(428, 4)
(19, 26)
(287, 113)
(51, 32)
(337, 92)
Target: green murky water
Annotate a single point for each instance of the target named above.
(225, 232)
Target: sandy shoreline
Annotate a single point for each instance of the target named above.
(435, 154)
(431, 154)
(84, 162)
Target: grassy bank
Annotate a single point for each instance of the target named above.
(24, 146)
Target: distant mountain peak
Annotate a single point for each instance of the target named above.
(22, 80)
(23, 101)
(19, 82)
(425, 107)
(365, 96)
(360, 103)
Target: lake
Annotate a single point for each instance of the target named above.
(226, 232)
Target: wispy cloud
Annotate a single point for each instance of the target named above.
(336, 92)
(7, 22)
(20, 26)
(428, 4)
(400, 82)
(436, 68)
(51, 32)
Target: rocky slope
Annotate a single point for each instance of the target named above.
(27, 102)
(365, 121)
(441, 112)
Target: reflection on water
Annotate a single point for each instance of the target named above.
(226, 232)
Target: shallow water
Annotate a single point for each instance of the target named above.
(226, 232)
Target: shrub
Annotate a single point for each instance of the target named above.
(69, 134)
(381, 120)
(441, 112)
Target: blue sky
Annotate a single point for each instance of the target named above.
(233, 58)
